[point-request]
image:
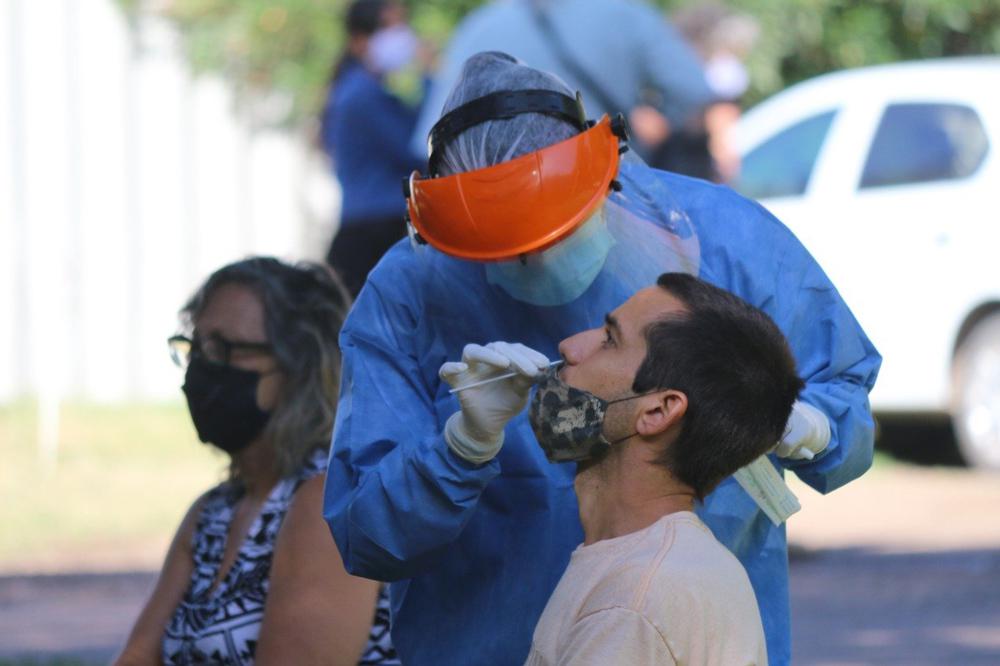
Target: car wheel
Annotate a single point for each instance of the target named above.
(976, 391)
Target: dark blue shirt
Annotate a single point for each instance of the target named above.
(366, 132)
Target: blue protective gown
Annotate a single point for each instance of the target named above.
(475, 551)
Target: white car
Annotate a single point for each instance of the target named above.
(889, 176)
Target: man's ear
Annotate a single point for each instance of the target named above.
(658, 412)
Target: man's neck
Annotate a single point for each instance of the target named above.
(619, 495)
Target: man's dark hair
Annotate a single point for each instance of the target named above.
(737, 371)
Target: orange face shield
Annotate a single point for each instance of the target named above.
(521, 206)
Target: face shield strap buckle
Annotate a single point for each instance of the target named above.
(619, 127)
(416, 240)
(499, 106)
(411, 231)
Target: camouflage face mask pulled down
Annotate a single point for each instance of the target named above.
(569, 422)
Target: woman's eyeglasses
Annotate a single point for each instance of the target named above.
(213, 348)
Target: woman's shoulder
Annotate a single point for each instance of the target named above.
(220, 496)
(211, 506)
(314, 465)
(304, 511)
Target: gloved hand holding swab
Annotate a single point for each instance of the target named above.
(497, 378)
(476, 431)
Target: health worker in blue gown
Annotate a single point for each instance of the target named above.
(530, 227)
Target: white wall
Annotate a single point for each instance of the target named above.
(123, 183)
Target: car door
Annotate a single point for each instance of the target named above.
(904, 266)
(778, 172)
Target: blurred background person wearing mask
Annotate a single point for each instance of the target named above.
(723, 39)
(252, 573)
(533, 226)
(704, 146)
(375, 94)
(618, 53)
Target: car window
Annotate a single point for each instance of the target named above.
(782, 165)
(917, 143)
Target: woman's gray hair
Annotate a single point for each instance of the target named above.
(304, 307)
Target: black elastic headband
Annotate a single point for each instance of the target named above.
(500, 105)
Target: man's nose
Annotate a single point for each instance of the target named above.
(577, 348)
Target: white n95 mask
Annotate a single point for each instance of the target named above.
(561, 273)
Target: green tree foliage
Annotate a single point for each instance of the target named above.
(285, 49)
(801, 39)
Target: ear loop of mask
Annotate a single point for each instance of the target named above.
(622, 439)
(631, 397)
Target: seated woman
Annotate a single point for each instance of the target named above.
(253, 573)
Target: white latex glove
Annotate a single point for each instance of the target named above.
(475, 433)
(807, 433)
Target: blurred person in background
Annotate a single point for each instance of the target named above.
(371, 109)
(531, 226)
(618, 53)
(704, 148)
(723, 38)
(252, 573)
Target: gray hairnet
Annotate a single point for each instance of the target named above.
(497, 141)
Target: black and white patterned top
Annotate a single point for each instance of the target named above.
(221, 626)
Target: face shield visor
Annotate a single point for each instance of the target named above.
(521, 206)
(561, 273)
(652, 233)
(636, 235)
(607, 235)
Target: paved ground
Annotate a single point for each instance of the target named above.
(85, 616)
(850, 607)
(859, 606)
(900, 567)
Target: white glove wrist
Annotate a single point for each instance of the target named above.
(475, 433)
(468, 447)
(807, 433)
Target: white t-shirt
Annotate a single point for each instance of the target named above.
(667, 594)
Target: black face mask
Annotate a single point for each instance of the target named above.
(223, 404)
